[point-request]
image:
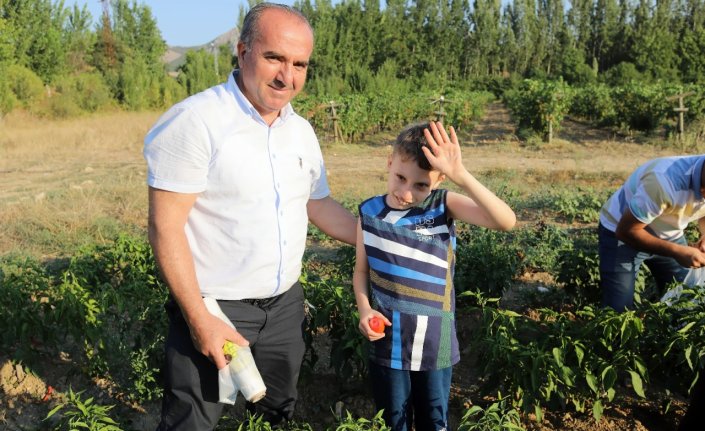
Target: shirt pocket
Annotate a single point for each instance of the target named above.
(296, 174)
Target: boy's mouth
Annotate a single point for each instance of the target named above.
(401, 202)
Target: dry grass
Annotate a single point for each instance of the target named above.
(67, 183)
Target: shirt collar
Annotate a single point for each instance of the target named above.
(696, 177)
(247, 106)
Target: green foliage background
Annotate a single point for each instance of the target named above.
(364, 47)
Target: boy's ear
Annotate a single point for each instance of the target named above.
(389, 161)
(441, 178)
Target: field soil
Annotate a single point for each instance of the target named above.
(94, 166)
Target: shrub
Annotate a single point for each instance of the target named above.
(27, 302)
(540, 247)
(497, 416)
(540, 105)
(61, 106)
(7, 98)
(640, 107)
(27, 87)
(622, 74)
(594, 103)
(486, 261)
(105, 309)
(332, 308)
(87, 91)
(579, 267)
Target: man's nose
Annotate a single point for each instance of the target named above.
(286, 73)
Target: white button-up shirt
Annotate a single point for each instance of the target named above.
(247, 228)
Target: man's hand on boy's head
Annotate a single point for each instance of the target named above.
(443, 151)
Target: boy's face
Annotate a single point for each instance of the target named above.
(408, 184)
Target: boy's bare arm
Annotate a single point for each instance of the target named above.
(480, 207)
(360, 287)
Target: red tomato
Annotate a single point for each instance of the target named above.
(377, 325)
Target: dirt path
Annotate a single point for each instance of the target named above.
(496, 126)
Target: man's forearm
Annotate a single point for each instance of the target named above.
(175, 262)
(643, 241)
(333, 219)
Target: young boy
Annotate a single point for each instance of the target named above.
(406, 255)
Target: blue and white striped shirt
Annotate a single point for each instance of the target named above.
(411, 255)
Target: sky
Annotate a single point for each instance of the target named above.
(184, 22)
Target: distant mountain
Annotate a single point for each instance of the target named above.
(175, 56)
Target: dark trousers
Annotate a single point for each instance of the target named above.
(274, 328)
(412, 399)
(619, 266)
(695, 416)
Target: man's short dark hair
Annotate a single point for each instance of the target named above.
(250, 30)
(409, 144)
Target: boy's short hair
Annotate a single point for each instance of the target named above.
(409, 143)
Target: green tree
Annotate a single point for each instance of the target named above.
(456, 32)
(521, 29)
(553, 30)
(484, 43)
(196, 74)
(691, 44)
(78, 39)
(653, 43)
(36, 36)
(129, 54)
(605, 33)
(579, 18)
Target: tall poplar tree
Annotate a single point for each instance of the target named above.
(484, 44)
(605, 32)
(79, 39)
(691, 44)
(653, 44)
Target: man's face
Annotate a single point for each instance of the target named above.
(273, 70)
(407, 184)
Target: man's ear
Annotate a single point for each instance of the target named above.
(241, 49)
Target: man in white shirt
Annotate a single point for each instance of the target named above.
(644, 222)
(234, 176)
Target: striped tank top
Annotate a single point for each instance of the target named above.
(411, 255)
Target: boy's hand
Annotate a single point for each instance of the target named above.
(443, 152)
(365, 328)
